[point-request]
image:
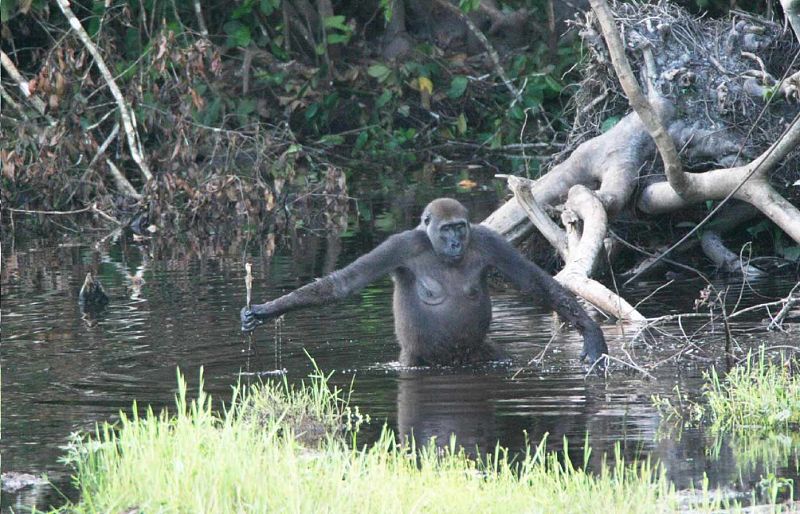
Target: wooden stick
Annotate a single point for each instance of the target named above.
(248, 281)
(248, 284)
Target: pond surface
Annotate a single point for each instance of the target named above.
(174, 306)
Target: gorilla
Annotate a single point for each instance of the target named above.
(442, 307)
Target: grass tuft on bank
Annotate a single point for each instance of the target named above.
(249, 458)
(759, 394)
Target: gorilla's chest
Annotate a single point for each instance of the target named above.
(433, 283)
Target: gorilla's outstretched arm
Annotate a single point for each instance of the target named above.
(532, 280)
(389, 255)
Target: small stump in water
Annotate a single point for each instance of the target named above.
(92, 296)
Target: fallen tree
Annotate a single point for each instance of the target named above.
(720, 108)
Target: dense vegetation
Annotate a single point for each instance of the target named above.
(236, 105)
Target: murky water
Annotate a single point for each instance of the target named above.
(171, 307)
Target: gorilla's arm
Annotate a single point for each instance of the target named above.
(531, 279)
(389, 255)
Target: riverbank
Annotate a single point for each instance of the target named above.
(282, 448)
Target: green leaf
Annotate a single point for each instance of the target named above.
(242, 36)
(386, 222)
(312, 110)
(379, 71)
(210, 115)
(517, 112)
(553, 84)
(758, 228)
(461, 124)
(364, 210)
(334, 39)
(457, 86)
(331, 139)
(336, 22)
(245, 106)
(238, 34)
(361, 140)
(267, 7)
(382, 100)
(468, 5)
(609, 123)
(7, 11)
(243, 10)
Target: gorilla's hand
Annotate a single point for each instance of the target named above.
(594, 346)
(252, 317)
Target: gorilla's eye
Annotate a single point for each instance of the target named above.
(427, 219)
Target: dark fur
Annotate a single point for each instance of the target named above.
(442, 307)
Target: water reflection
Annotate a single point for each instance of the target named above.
(177, 306)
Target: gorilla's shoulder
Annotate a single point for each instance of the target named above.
(411, 241)
(483, 232)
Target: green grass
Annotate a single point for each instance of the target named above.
(759, 395)
(248, 458)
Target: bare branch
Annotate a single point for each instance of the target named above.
(102, 148)
(122, 183)
(14, 105)
(124, 110)
(723, 258)
(498, 68)
(22, 84)
(93, 208)
(679, 180)
(198, 12)
(554, 235)
(582, 259)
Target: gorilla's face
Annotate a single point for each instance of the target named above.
(445, 222)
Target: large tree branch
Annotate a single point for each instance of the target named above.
(611, 159)
(127, 116)
(748, 182)
(683, 188)
(792, 10)
(679, 180)
(553, 233)
(584, 256)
